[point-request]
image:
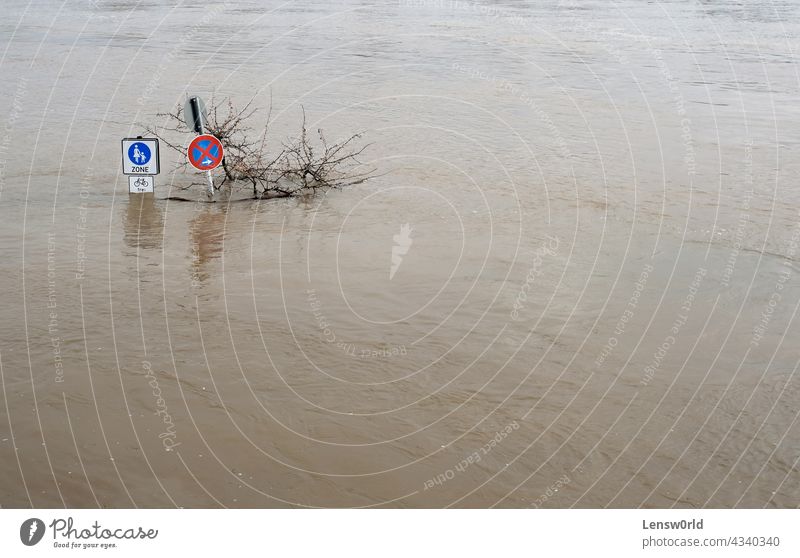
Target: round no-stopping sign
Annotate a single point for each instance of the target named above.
(205, 152)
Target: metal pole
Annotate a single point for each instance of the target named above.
(199, 125)
(197, 114)
(210, 184)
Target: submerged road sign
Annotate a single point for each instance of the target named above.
(205, 152)
(140, 156)
(141, 184)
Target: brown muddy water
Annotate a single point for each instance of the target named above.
(575, 282)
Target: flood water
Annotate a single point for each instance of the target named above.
(574, 280)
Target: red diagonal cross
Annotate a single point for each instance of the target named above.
(206, 152)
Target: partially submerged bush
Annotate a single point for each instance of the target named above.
(301, 166)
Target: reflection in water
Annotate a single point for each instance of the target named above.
(207, 233)
(144, 223)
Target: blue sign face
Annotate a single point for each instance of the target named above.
(139, 153)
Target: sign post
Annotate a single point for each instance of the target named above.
(140, 162)
(205, 153)
(196, 117)
(195, 114)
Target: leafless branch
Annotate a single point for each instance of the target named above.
(299, 167)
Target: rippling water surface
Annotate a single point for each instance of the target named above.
(595, 304)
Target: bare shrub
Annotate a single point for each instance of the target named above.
(302, 165)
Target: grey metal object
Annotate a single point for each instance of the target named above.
(195, 115)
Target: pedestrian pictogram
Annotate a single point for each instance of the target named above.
(139, 153)
(205, 152)
(140, 156)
